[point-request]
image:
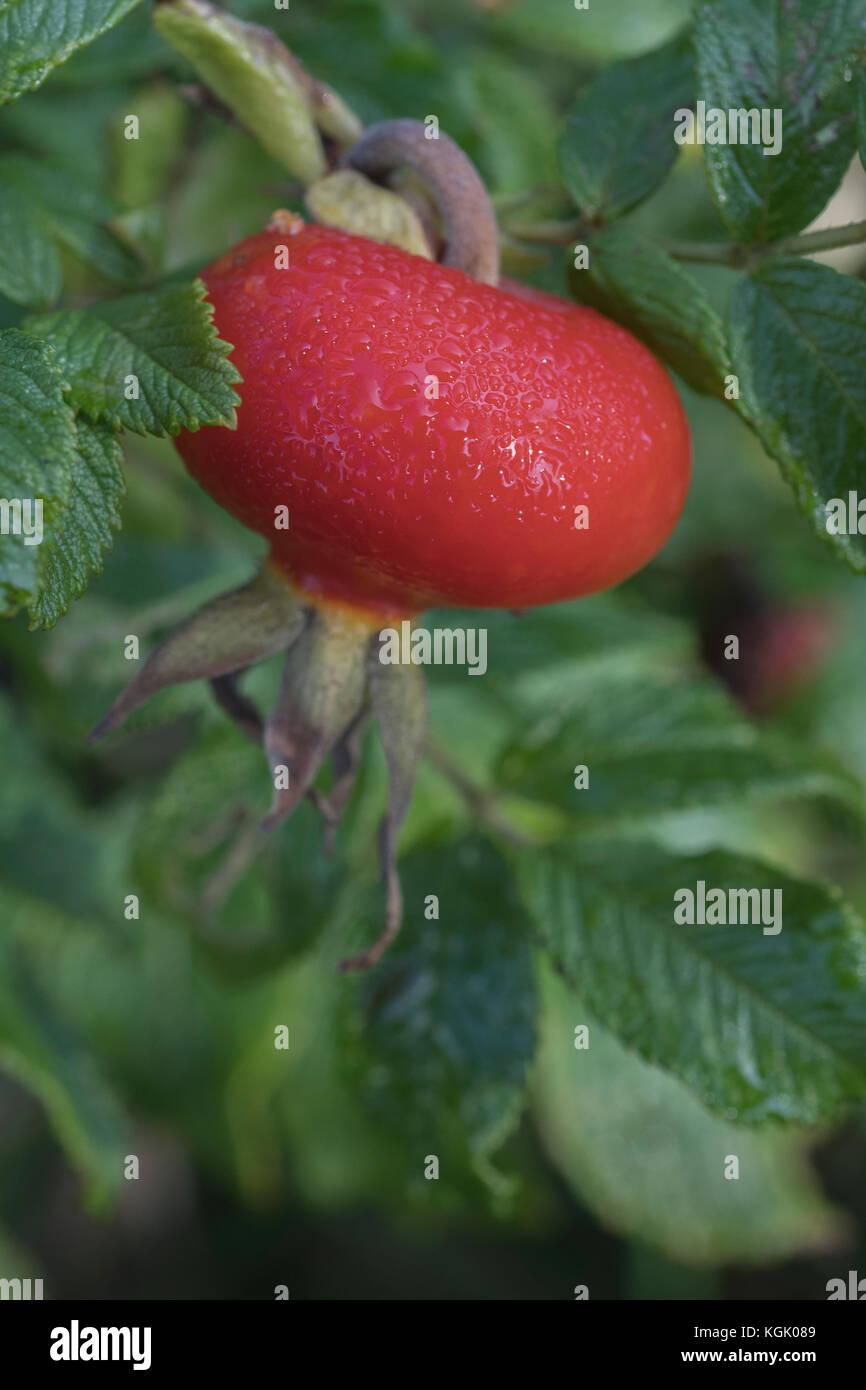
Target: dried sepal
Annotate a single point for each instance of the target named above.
(225, 635)
(398, 698)
(321, 694)
(238, 706)
(331, 680)
(348, 200)
(345, 762)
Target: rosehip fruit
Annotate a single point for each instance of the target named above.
(431, 439)
(436, 441)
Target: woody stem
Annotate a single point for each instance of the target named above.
(480, 802)
(468, 219)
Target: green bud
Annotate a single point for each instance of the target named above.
(254, 75)
(348, 200)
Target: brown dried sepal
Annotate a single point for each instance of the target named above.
(331, 679)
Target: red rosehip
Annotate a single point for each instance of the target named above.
(434, 439)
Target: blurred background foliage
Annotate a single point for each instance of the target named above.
(155, 1036)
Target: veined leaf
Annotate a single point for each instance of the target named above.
(29, 261)
(794, 57)
(758, 1025)
(150, 362)
(440, 1036)
(42, 1049)
(656, 738)
(81, 534)
(618, 143)
(37, 460)
(131, 49)
(650, 1161)
(57, 126)
(45, 208)
(37, 35)
(798, 343)
(635, 282)
(534, 656)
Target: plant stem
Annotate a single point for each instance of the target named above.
(728, 253)
(480, 801)
(708, 252)
(806, 244)
(549, 233)
(504, 201)
(452, 181)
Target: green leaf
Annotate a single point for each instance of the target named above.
(636, 283)
(339, 1150)
(35, 37)
(226, 194)
(512, 113)
(37, 460)
(798, 340)
(43, 1050)
(141, 167)
(618, 144)
(165, 339)
(254, 74)
(115, 983)
(46, 209)
(656, 740)
(439, 1037)
(30, 264)
(757, 1025)
(142, 230)
(647, 1158)
(84, 530)
(72, 470)
(533, 657)
(52, 847)
(593, 35)
(214, 796)
(797, 57)
(57, 126)
(130, 50)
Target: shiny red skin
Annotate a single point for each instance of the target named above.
(399, 502)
